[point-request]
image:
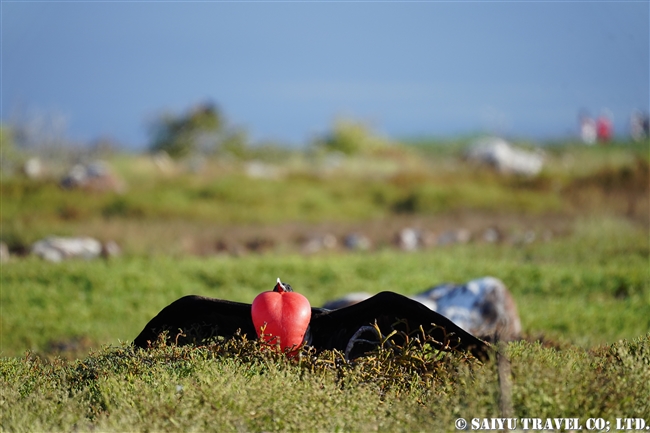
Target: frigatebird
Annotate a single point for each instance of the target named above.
(354, 330)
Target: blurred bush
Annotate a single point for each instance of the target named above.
(9, 154)
(203, 130)
(351, 138)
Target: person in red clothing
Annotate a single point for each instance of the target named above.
(604, 128)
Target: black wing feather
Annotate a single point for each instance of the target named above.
(199, 318)
(391, 311)
(192, 319)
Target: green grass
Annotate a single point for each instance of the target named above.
(211, 388)
(583, 296)
(423, 180)
(591, 288)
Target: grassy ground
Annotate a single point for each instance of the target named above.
(243, 389)
(590, 288)
(179, 211)
(583, 293)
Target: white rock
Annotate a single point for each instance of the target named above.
(56, 249)
(505, 158)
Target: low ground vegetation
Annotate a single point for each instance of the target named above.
(279, 197)
(583, 293)
(240, 388)
(589, 288)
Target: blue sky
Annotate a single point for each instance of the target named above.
(285, 71)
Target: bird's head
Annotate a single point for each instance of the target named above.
(281, 287)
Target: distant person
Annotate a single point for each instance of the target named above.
(604, 128)
(639, 126)
(587, 128)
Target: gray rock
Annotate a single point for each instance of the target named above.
(4, 253)
(57, 249)
(483, 307)
(33, 168)
(356, 241)
(409, 239)
(505, 158)
(317, 243)
(95, 176)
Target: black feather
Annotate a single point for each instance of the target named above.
(193, 319)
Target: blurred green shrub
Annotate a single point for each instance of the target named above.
(202, 129)
(9, 154)
(351, 138)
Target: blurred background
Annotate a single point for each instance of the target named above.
(209, 147)
(283, 72)
(152, 126)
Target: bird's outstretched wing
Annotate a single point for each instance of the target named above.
(193, 318)
(336, 328)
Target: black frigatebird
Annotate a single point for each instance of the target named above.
(352, 330)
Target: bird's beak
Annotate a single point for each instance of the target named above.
(279, 287)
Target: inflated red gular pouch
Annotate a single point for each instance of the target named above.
(283, 314)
